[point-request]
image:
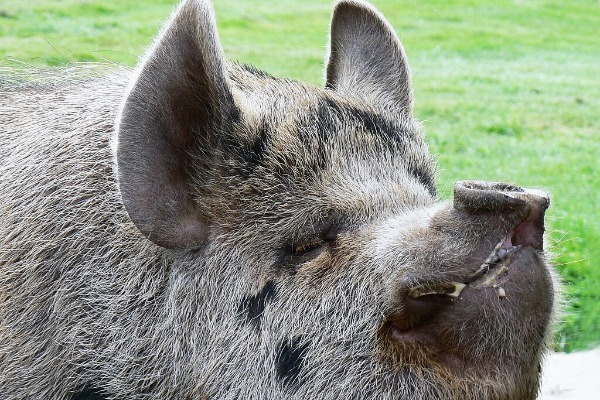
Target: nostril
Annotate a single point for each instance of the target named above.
(530, 232)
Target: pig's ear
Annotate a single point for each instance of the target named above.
(176, 105)
(366, 58)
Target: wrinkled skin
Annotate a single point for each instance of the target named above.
(226, 234)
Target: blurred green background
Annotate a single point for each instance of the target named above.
(508, 91)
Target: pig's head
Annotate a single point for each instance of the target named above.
(313, 258)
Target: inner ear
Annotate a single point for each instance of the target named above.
(367, 60)
(169, 123)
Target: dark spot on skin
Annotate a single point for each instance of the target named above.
(90, 393)
(250, 155)
(315, 130)
(375, 124)
(378, 125)
(326, 122)
(424, 178)
(253, 306)
(288, 363)
(331, 104)
(258, 150)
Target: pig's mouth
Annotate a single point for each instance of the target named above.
(527, 234)
(495, 266)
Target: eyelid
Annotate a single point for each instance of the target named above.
(326, 234)
(305, 247)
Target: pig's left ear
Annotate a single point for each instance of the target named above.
(366, 58)
(175, 108)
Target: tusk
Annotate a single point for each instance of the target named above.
(451, 289)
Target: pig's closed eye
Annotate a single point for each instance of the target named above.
(306, 247)
(310, 248)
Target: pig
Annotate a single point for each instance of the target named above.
(199, 229)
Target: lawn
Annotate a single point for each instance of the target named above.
(508, 90)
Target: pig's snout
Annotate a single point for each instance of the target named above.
(524, 207)
(476, 197)
(505, 226)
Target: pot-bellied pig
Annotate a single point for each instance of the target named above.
(199, 229)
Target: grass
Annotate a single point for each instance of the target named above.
(508, 90)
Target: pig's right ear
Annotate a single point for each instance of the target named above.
(178, 102)
(367, 60)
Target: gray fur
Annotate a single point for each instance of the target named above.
(237, 236)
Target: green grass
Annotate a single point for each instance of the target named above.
(508, 90)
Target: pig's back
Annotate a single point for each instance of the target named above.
(55, 157)
(66, 243)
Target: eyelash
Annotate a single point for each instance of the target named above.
(304, 248)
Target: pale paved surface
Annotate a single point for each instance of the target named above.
(574, 376)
